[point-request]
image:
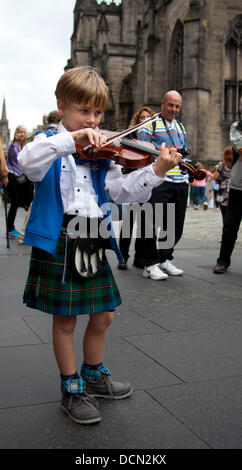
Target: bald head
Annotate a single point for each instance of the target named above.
(171, 105)
(172, 94)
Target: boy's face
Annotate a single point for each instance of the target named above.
(79, 116)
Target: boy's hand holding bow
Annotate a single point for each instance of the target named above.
(89, 136)
(167, 159)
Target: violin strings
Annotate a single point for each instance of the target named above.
(125, 132)
(131, 129)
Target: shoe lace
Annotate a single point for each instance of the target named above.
(84, 397)
(106, 379)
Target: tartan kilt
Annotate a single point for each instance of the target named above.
(44, 289)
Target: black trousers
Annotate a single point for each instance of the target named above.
(231, 226)
(124, 242)
(167, 192)
(20, 195)
(224, 210)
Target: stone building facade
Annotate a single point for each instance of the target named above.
(144, 48)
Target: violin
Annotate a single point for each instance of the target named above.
(132, 154)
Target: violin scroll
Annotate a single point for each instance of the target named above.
(198, 174)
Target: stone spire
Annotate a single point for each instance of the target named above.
(4, 129)
(4, 112)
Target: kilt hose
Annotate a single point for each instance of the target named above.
(45, 291)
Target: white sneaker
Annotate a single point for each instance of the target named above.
(169, 268)
(154, 272)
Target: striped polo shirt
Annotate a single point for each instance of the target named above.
(175, 137)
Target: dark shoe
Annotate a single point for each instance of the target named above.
(122, 265)
(220, 268)
(98, 383)
(106, 388)
(138, 264)
(80, 408)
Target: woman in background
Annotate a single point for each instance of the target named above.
(222, 175)
(200, 188)
(3, 166)
(19, 188)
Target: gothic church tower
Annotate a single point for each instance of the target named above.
(104, 37)
(4, 129)
(143, 48)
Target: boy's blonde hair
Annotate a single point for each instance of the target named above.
(82, 85)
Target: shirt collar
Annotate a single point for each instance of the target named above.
(61, 128)
(171, 124)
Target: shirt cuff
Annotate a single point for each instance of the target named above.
(64, 144)
(152, 178)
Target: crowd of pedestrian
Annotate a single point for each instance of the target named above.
(213, 192)
(233, 213)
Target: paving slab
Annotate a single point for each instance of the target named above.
(196, 355)
(186, 317)
(125, 323)
(133, 423)
(12, 305)
(129, 363)
(30, 375)
(211, 409)
(34, 369)
(175, 292)
(199, 264)
(16, 332)
(17, 267)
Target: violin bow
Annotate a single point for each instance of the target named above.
(126, 131)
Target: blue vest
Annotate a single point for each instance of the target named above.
(45, 221)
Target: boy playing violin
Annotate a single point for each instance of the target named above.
(67, 187)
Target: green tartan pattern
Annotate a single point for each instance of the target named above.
(44, 289)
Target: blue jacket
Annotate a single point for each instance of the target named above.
(45, 221)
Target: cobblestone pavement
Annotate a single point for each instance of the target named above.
(205, 225)
(201, 225)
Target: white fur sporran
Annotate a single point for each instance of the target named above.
(87, 257)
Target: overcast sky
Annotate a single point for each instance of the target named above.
(34, 48)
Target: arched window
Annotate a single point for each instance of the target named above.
(176, 57)
(233, 70)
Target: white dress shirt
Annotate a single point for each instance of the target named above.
(77, 191)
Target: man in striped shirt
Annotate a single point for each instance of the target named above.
(157, 262)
